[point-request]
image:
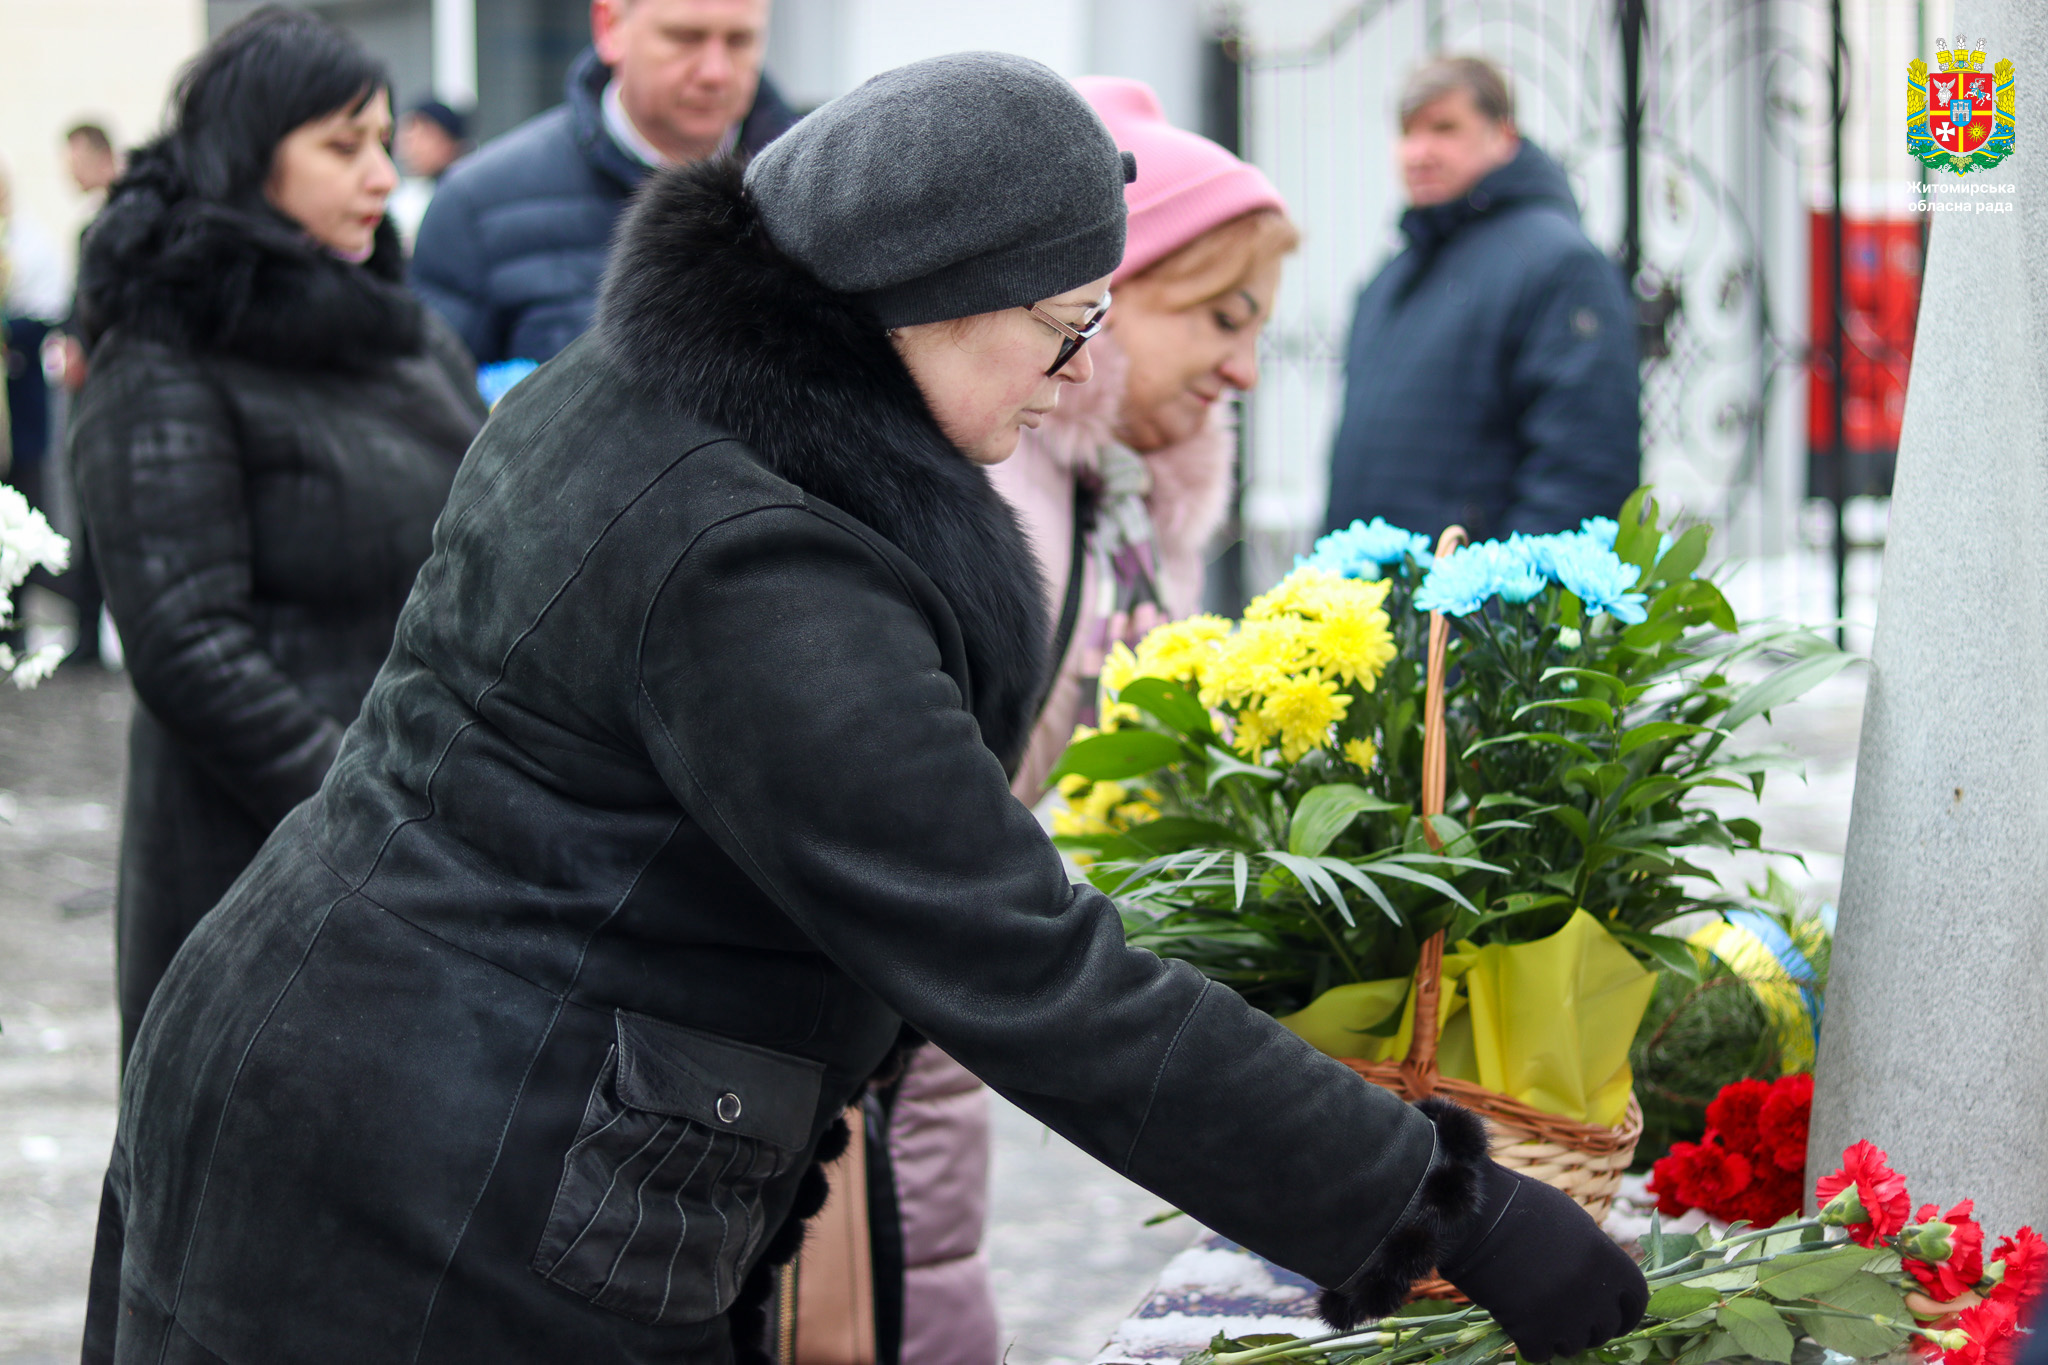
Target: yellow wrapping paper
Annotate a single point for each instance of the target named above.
(1548, 1022)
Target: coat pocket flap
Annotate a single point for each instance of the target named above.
(725, 1085)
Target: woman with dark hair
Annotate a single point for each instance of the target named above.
(269, 429)
(683, 792)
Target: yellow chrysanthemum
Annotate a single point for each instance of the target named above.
(1353, 645)
(1072, 784)
(1119, 668)
(1253, 734)
(1303, 709)
(1135, 813)
(1301, 593)
(1178, 650)
(1259, 658)
(1362, 752)
(1093, 813)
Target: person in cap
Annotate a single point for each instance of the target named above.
(431, 138)
(685, 789)
(1120, 491)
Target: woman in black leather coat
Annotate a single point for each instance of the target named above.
(269, 428)
(684, 790)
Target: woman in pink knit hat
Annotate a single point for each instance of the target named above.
(1120, 490)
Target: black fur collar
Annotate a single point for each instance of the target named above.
(700, 307)
(162, 263)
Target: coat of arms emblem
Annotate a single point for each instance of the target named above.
(1959, 118)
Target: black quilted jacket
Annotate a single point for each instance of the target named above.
(261, 448)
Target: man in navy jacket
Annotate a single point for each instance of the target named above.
(513, 245)
(1491, 377)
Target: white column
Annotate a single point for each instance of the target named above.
(455, 53)
(1935, 1045)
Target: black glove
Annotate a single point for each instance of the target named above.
(1539, 1263)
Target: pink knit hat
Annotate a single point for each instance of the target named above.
(1186, 184)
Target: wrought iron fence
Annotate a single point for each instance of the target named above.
(1695, 133)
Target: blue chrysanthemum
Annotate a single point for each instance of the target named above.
(1597, 577)
(1366, 550)
(1462, 582)
(1602, 529)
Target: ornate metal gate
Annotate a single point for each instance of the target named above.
(1694, 132)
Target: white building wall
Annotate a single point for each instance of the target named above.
(821, 48)
(110, 62)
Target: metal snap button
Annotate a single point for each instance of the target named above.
(728, 1107)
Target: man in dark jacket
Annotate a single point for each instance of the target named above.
(511, 249)
(1491, 376)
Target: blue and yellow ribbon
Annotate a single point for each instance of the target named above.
(1756, 948)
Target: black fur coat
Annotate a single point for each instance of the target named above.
(264, 439)
(243, 281)
(673, 803)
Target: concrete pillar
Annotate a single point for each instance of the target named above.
(455, 53)
(1935, 1045)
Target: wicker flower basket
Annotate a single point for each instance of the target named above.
(1586, 1161)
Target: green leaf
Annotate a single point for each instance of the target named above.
(1612, 686)
(1172, 705)
(1240, 872)
(1684, 556)
(1673, 954)
(1657, 731)
(1792, 681)
(1324, 812)
(1117, 755)
(1169, 834)
(1584, 706)
(1757, 1328)
(1804, 1276)
(1712, 1346)
(1314, 880)
(1338, 867)
(1677, 1246)
(1578, 747)
(1436, 884)
(1681, 1301)
(1223, 763)
(1867, 1296)
(1573, 819)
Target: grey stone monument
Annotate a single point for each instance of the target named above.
(1935, 1043)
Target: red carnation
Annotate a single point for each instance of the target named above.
(2025, 1257)
(1700, 1176)
(1772, 1194)
(1671, 1180)
(1782, 1122)
(1733, 1113)
(1992, 1326)
(1878, 1190)
(1949, 1277)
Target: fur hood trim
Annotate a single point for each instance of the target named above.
(1438, 1219)
(1190, 479)
(207, 277)
(701, 309)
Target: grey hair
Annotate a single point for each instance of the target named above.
(1439, 76)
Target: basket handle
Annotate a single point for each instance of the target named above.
(1418, 1069)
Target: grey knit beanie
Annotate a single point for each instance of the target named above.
(958, 185)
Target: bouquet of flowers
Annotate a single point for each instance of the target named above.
(1252, 798)
(1751, 1165)
(1864, 1279)
(26, 542)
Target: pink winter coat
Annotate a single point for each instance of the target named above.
(938, 1134)
(1188, 495)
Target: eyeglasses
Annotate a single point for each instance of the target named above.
(1074, 338)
